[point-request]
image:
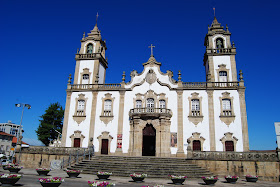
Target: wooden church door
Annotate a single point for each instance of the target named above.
(77, 142)
(104, 147)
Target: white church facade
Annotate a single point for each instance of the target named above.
(153, 114)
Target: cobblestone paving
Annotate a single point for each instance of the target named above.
(30, 179)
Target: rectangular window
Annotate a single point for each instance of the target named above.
(81, 105)
(195, 105)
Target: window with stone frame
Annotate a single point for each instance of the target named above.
(85, 79)
(107, 107)
(162, 105)
(89, 48)
(138, 105)
(150, 105)
(81, 105)
(226, 107)
(80, 109)
(195, 108)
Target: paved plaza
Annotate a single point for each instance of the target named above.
(30, 179)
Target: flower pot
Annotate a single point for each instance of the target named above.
(251, 179)
(138, 179)
(50, 184)
(231, 180)
(14, 170)
(73, 175)
(103, 177)
(8, 181)
(210, 182)
(43, 173)
(4, 167)
(178, 181)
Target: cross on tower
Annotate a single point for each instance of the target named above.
(151, 46)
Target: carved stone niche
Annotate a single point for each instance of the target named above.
(105, 135)
(195, 116)
(77, 134)
(195, 136)
(228, 137)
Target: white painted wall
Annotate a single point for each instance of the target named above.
(101, 74)
(86, 64)
(218, 60)
(84, 125)
(112, 126)
(220, 127)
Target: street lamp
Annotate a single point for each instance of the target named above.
(28, 106)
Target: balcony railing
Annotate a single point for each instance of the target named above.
(95, 86)
(221, 51)
(150, 112)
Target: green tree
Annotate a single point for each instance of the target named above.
(52, 120)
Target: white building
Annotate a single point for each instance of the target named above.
(10, 128)
(153, 114)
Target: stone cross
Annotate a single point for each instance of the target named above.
(96, 17)
(152, 46)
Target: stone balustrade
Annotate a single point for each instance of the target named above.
(221, 51)
(150, 112)
(233, 156)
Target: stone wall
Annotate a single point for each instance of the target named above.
(38, 156)
(263, 164)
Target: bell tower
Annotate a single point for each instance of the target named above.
(91, 63)
(219, 58)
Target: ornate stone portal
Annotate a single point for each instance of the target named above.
(162, 128)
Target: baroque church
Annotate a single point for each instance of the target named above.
(153, 114)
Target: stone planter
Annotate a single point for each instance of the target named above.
(138, 179)
(103, 177)
(251, 179)
(210, 182)
(178, 181)
(73, 175)
(14, 170)
(43, 172)
(50, 184)
(4, 167)
(8, 181)
(231, 180)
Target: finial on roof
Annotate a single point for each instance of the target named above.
(123, 76)
(241, 75)
(96, 79)
(69, 79)
(226, 27)
(96, 18)
(214, 9)
(179, 75)
(233, 45)
(84, 35)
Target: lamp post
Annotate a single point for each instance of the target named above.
(19, 135)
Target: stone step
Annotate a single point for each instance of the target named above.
(153, 166)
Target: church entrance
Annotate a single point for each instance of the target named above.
(149, 141)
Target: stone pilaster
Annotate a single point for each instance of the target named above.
(77, 68)
(165, 137)
(92, 118)
(233, 68)
(211, 121)
(66, 117)
(120, 121)
(180, 142)
(244, 123)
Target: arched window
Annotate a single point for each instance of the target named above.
(150, 105)
(89, 48)
(229, 145)
(196, 145)
(219, 43)
(162, 104)
(81, 105)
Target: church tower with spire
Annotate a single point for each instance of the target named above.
(219, 58)
(91, 63)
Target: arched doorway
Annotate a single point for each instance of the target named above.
(149, 141)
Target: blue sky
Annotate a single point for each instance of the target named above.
(39, 40)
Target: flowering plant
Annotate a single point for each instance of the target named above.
(252, 176)
(10, 176)
(231, 177)
(51, 180)
(103, 183)
(14, 166)
(158, 185)
(138, 175)
(210, 178)
(43, 169)
(177, 177)
(73, 171)
(103, 173)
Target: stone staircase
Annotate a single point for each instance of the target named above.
(153, 166)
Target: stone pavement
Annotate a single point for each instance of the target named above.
(30, 179)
